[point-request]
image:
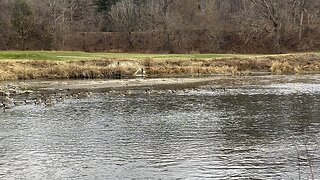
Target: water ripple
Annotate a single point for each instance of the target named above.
(247, 132)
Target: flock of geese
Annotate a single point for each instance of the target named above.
(45, 100)
(49, 100)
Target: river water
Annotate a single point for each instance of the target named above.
(264, 130)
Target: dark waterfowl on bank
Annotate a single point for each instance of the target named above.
(8, 103)
(49, 102)
(38, 100)
(61, 98)
(86, 94)
(26, 102)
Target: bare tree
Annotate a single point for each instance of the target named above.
(164, 21)
(5, 18)
(126, 16)
(307, 10)
(22, 21)
(272, 11)
(162, 25)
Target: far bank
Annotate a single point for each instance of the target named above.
(121, 67)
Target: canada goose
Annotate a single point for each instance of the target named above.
(8, 103)
(67, 96)
(49, 99)
(7, 106)
(61, 98)
(195, 89)
(38, 101)
(75, 95)
(18, 103)
(85, 95)
(49, 102)
(128, 92)
(26, 102)
(147, 92)
(8, 100)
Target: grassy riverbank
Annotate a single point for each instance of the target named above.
(77, 55)
(16, 65)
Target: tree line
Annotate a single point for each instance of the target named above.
(171, 26)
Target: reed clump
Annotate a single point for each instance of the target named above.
(282, 68)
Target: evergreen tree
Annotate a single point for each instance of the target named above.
(105, 5)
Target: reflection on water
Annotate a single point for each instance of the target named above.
(244, 132)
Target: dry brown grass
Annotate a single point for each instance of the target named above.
(284, 64)
(204, 67)
(20, 69)
(302, 64)
(110, 68)
(282, 68)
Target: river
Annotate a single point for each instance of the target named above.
(266, 130)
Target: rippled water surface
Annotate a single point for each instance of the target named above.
(252, 131)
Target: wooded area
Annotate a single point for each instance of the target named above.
(164, 26)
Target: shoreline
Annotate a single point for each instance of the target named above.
(47, 93)
(16, 88)
(100, 85)
(29, 76)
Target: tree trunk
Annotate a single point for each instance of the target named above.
(4, 42)
(301, 27)
(129, 39)
(277, 37)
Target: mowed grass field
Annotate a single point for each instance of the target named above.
(78, 55)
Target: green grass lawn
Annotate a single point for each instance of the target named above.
(77, 55)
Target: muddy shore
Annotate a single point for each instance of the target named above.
(99, 85)
(104, 85)
(47, 93)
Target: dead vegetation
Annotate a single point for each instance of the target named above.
(24, 69)
(112, 68)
